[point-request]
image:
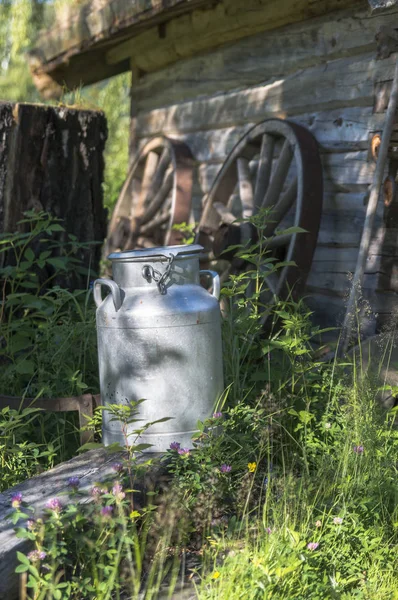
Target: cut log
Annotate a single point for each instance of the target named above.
(51, 159)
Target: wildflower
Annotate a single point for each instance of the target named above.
(175, 445)
(252, 467)
(216, 575)
(183, 451)
(16, 500)
(55, 505)
(73, 482)
(117, 491)
(337, 520)
(268, 530)
(318, 523)
(106, 511)
(36, 555)
(118, 467)
(31, 524)
(312, 546)
(225, 468)
(358, 449)
(328, 425)
(217, 415)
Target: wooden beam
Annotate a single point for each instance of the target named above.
(83, 404)
(207, 28)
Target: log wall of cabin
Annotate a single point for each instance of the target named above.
(321, 73)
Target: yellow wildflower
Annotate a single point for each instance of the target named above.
(134, 514)
(252, 467)
(216, 575)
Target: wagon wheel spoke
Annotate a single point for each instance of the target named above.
(281, 208)
(279, 241)
(158, 199)
(264, 169)
(279, 177)
(245, 187)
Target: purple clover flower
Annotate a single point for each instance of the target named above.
(118, 467)
(16, 500)
(217, 415)
(268, 530)
(225, 468)
(106, 511)
(54, 504)
(96, 493)
(117, 491)
(337, 520)
(175, 446)
(31, 524)
(312, 546)
(36, 555)
(74, 482)
(184, 451)
(358, 449)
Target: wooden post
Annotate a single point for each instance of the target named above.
(51, 158)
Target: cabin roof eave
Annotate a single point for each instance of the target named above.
(74, 50)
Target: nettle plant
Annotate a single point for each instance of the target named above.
(47, 336)
(47, 344)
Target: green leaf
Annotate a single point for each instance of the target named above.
(55, 227)
(25, 367)
(29, 254)
(23, 559)
(90, 446)
(21, 569)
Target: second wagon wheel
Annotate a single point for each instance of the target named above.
(275, 166)
(155, 197)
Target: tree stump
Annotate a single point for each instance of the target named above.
(51, 159)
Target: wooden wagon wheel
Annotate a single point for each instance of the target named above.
(276, 166)
(155, 196)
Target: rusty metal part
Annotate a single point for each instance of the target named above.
(288, 182)
(389, 190)
(375, 145)
(155, 197)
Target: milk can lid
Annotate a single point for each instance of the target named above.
(161, 251)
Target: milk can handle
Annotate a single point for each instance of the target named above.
(216, 281)
(114, 288)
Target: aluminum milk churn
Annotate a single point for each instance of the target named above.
(159, 339)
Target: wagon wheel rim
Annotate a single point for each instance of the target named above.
(155, 197)
(288, 183)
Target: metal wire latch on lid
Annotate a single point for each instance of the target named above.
(149, 273)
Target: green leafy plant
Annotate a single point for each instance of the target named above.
(48, 340)
(109, 547)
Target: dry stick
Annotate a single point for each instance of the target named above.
(370, 214)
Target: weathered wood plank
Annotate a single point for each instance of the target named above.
(223, 22)
(342, 83)
(335, 131)
(263, 57)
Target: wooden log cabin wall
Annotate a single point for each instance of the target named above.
(209, 75)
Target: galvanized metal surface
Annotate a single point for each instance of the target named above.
(164, 347)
